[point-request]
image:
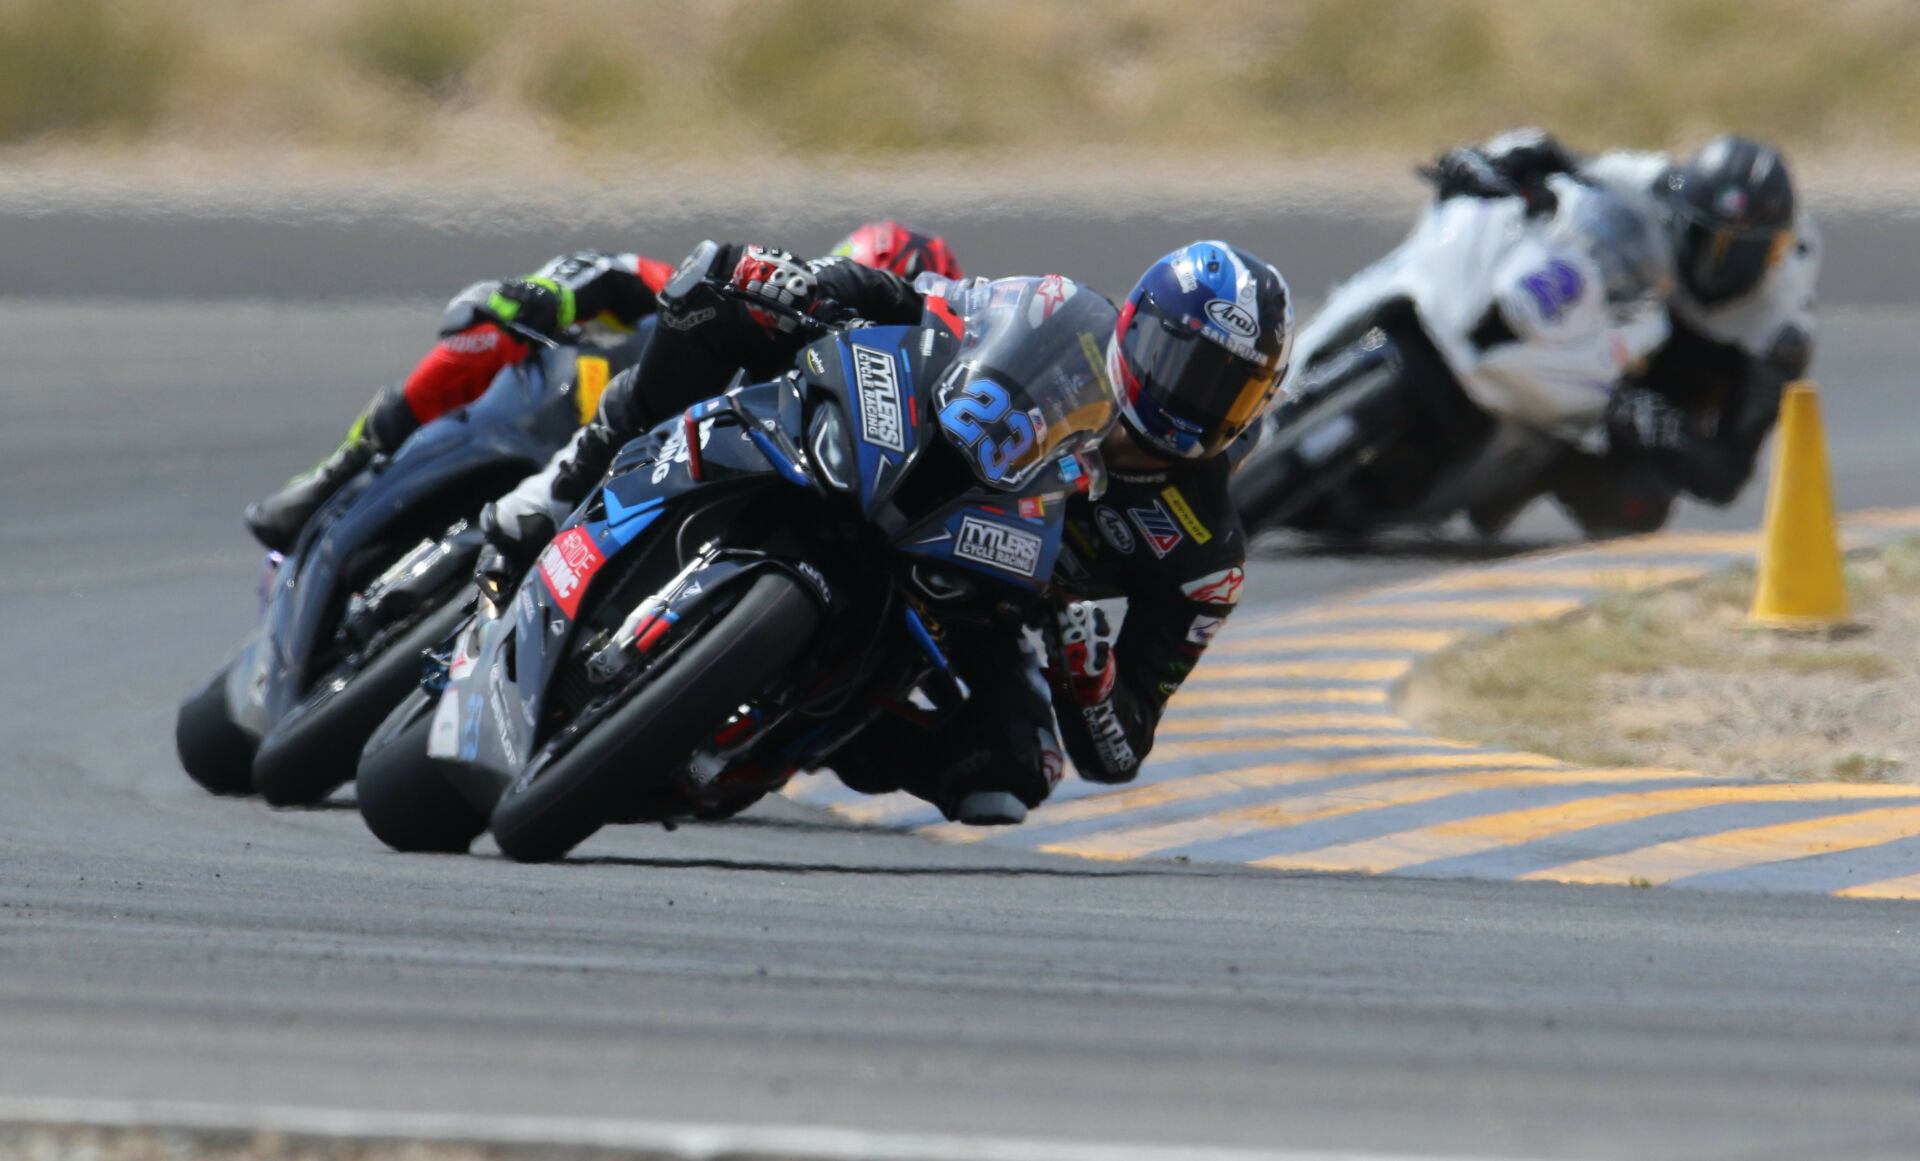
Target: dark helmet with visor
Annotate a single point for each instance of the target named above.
(1732, 208)
(1200, 348)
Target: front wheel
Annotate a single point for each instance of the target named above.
(648, 738)
(311, 752)
(406, 799)
(214, 751)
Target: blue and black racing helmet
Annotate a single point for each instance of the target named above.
(1200, 348)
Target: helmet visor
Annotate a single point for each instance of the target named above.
(1203, 390)
(1723, 263)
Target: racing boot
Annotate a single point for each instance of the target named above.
(276, 520)
(989, 808)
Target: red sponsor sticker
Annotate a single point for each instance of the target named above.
(1033, 507)
(567, 564)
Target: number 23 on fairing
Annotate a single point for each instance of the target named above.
(985, 402)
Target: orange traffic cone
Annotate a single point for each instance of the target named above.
(1802, 584)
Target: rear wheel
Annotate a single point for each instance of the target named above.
(405, 796)
(214, 751)
(312, 751)
(645, 741)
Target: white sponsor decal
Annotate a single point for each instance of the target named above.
(882, 423)
(1114, 528)
(443, 736)
(471, 342)
(674, 449)
(1233, 318)
(1183, 270)
(998, 546)
(1201, 632)
(1109, 736)
(465, 658)
(561, 573)
(818, 578)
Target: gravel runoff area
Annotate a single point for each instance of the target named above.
(1680, 678)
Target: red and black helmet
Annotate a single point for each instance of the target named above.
(905, 251)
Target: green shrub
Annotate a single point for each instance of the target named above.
(584, 87)
(67, 65)
(831, 73)
(424, 45)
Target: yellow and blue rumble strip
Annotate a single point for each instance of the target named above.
(1283, 751)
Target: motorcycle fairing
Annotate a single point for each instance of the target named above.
(488, 718)
(1462, 256)
(1012, 537)
(526, 412)
(882, 377)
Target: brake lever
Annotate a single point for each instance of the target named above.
(528, 335)
(820, 326)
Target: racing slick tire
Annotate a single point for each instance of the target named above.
(680, 707)
(405, 799)
(214, 751)
(312, 751)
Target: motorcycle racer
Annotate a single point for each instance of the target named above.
(1747, 259)
(485, 329)
(1197, 355)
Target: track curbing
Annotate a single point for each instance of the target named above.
(630, 1139)
(1284, 751)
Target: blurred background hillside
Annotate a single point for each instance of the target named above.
(485, 85)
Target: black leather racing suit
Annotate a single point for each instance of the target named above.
(1726, 402)
(1169, 543)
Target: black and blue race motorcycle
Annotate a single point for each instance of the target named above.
(759, 578)
(380, 573)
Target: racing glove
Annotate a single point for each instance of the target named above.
(775, 277)
(537, 304)
(1639, 419)
(1080, 664)
(1467, 172)
(1514, 164)
(1080, 653)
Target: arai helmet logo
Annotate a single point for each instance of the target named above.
(1233, 318)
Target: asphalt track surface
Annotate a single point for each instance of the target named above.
(787, 968)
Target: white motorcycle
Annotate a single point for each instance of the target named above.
(1450, 375)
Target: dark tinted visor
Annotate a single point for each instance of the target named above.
(1718, 264)
(1195, 380)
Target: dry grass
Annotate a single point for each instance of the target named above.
(1679, 678)
(903, 78)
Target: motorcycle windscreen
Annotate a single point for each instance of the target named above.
(1030, 383)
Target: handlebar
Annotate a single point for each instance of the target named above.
(696, 276)
(820, 327)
